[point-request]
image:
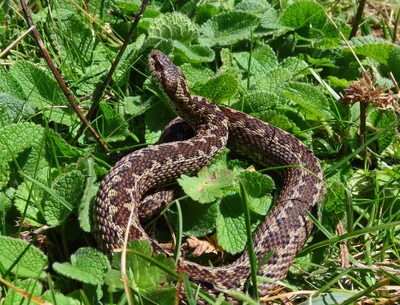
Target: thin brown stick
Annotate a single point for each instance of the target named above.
(57, 75)
(98, 93)
(15, 42)
(357, 18)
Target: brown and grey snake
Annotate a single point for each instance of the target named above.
(285, 229)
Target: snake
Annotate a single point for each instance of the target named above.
(285, 229)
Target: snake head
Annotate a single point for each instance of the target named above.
(169, 78)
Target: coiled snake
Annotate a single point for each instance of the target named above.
(287, 226)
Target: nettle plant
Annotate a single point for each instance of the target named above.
(284, 63)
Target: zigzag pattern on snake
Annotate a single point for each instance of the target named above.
(285, 229)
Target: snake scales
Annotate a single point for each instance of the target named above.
(286, 228)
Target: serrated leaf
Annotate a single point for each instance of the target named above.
(87, 265)
(227, 28)
(9, 85)
(13, 109)
(31, 264)
(252, 6)
(259, 101)
(380, 119)
(42, 90)
(270, 20)
(175, 26)
(156, 119)
(259, 188)
(29, 286)
(143, 275)
(115, 128)
(273, 80)
(208, 186)
(220, 88)
(230, 224)
(309, 98)
(295, 66)
(263, 59)
(194, 53)
(70, 188)
(335, 206)
(196, 75)
(58, 298)
(304, 13)
(373, 47)
(202, 218)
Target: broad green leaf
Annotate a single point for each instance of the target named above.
(11, 86)
(194, 53)
(70, 188)
(220, 88)
(137, 105)
(87, 265)
(394, 63)
(335, 206)
(196, 75)
(379, 119)
(373, 47)
(304, 13)
(42, 90)
(227, 28)
(259, 101)
(6, 198)
(263, 59)
(310, 98)
(31, 264)
(204, 12)
(208, 186)
(252, 6)
(156, 119)
(270, 20)
(273, 80)
(336, 297)
(229, 65)
(175, 26)
(130, 8)
(59, 298)
(259, 188)
(13, 109)
(31, 286)
(230, 224)
(143, 275)
(114, 128)
(200, 219)
(295, 65)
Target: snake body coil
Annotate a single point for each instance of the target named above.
(287, 226)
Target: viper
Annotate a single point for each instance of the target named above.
(285, 229)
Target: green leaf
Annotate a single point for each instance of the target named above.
(59, 298)
(89, 195)
(143, 276)
(273, 80)
(270, 20)
(31, 263)
(30, 285)
(10, 86)
(295, 66)
(196, 75)
(259, 101)
(200, 220)
(194, 53)
(304, 13)
(156, 119)
(208, 186)
(309, 98)
(115, 128)
(263, 59)
(13, 109)
(70, 188)
(379, 119)
(259, 188)
(373, 47)
(394, 63)
(336, 297)
(87, 265)
(175, 26)
(230, 224)
(252, 6)
(227, 28)
(137, 105)
(43, 90)
(220, 88)
(335, 206)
